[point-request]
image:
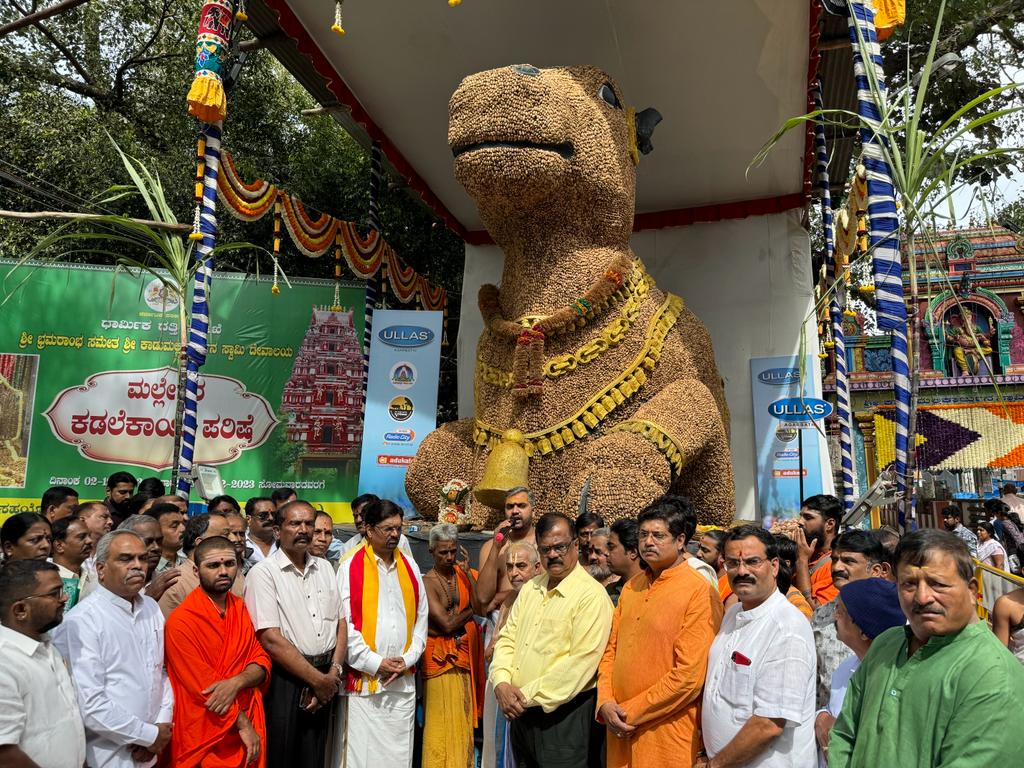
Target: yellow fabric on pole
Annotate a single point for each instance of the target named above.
(888, 14)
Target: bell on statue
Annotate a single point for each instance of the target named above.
(507, 467)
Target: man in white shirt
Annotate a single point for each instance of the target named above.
(39, 719)
(293, 601)
(96, 516)
(114, 644)
(376, 581)
(759, 691)
(358, 505)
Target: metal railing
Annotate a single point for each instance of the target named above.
(993, 584)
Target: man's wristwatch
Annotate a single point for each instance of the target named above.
(340, 670)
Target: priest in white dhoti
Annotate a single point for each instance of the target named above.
(386, 609)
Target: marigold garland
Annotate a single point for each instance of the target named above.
(365, 255)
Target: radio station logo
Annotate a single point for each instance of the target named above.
(787, 454)
(403, 375)
(406, 336)
(401, 408)
(402, 435)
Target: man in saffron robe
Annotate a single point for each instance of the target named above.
(453, 661)
(386, 613)
(217, 668)
(651, 677)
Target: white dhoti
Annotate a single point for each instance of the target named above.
(379, 730)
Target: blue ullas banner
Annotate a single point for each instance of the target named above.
(789, 422)
(401, 398)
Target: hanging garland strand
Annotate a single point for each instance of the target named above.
(366, 255)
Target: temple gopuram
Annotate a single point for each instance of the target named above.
(324, 396)
(970, 415)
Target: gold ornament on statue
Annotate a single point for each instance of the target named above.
(507, 467)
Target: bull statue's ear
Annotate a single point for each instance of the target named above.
(645, 123)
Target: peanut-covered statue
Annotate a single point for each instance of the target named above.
(608, 384)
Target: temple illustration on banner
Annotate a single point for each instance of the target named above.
(323, 399)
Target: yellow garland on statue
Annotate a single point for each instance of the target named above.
(597, 409)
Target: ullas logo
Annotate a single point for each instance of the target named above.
(779, 377)
(406, 336)
(797, 409)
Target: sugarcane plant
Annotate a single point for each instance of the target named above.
(159, 247)
(927, 168)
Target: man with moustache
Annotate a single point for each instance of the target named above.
(818, 527)
(262, 535)
(236, 535)
(386, 610)
(856, 555)
(759, 693)
(172, 526)
(544, 668)
(120, 487)
(153, 537)
(597, 561)
(942, 691)
(492, 584)
(358, 505)
(40, 724)
(217, 668)
(652, 672)
(72, 546)
(294, 604)
(198, 529)
(623, 555)
(114, 644)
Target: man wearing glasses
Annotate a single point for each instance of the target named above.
(759, 691)
(261, 537)
(544, 668)
(385, 606)
(39, 719)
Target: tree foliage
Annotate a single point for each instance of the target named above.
(112, 69)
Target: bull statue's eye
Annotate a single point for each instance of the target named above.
(606, 93)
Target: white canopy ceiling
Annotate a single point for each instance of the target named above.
(724, 74)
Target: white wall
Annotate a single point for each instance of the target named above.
(749, 280)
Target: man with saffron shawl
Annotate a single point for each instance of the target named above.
(217, 668)
(453, 662)
(386, 611)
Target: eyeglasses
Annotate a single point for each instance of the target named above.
(53, 594)
(390, 530)
(262, 516)
(555, 549)
(751, 563)
(658, 536)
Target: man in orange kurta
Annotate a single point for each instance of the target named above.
(453, 669)
(652, 674)
(217, 668)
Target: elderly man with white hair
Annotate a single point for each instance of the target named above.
(453, 669)
(114, 644)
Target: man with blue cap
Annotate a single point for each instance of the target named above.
(865, 609)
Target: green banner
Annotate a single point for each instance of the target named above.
(88, 384)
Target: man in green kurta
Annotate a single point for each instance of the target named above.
(941, 692)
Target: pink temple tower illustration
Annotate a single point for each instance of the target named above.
(324, 396)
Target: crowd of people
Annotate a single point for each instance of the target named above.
(133, 634)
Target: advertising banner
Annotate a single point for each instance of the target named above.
(401, 398)
(88, 384)
(789, 426)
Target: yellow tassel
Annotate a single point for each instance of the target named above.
(241, 15)
(454, 3)
(275, 290)
(336, 27)
(195, 236)
(206, 99)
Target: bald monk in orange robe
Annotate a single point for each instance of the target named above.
(217, 668)
(652, 673)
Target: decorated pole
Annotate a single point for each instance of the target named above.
(207, 101)
(835, 307)
(372, 280)
(883, 235)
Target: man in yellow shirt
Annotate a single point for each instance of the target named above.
(544, 669)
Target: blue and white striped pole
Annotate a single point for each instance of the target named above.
(883, 218)
(835, 308)
(373, 281)
(199, 326)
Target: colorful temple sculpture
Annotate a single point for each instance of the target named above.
(970, 415)
(323, 399)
